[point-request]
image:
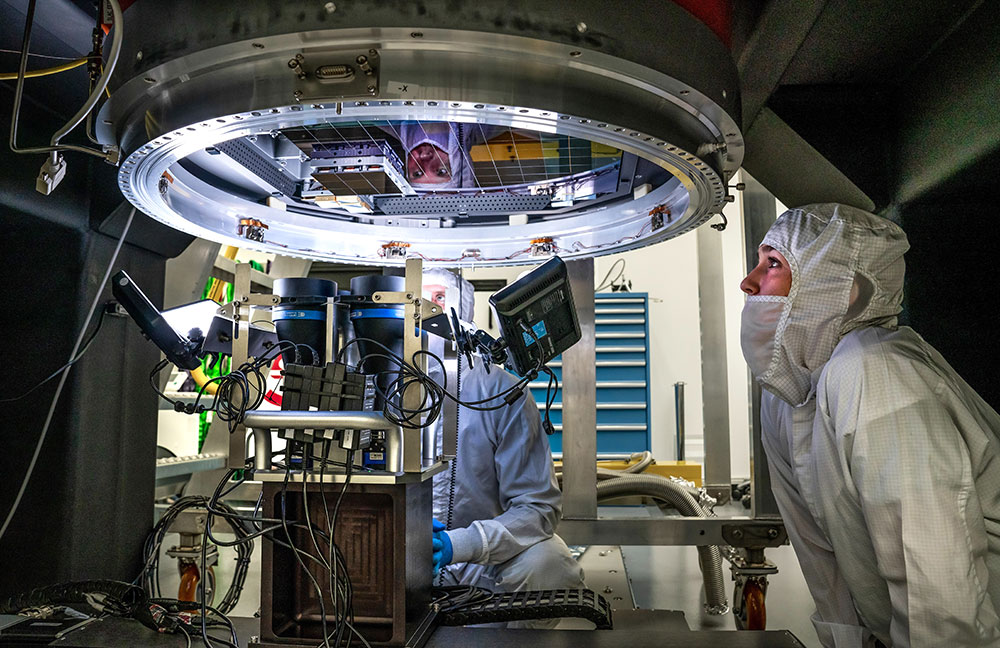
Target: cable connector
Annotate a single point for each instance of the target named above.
(112, 155)
(111, 307)
(513, 396)
(51, 174)
(188, 408)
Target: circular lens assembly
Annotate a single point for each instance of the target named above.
(369, 145)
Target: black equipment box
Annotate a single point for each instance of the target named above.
(537, 317)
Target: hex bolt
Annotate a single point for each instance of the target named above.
(138, 55)
(603, 553)
(617, 598)
(297, 94)
(581, 27)
(377, 297)
(372, 52)
(245, 298)
(361, 59)
(612, 571)
(608, 589)
(738, 533)
(371, 89)
(772, 533)
(275, 300)
(330, 7)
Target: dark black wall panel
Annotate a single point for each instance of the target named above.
(88, 506)
(952, 294)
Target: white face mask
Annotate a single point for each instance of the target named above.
(759, 332)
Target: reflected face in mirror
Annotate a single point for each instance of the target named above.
(436, 292)
(771, 276)
(427, 164)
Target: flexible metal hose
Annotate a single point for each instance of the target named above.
(709, 557)
(645, 460)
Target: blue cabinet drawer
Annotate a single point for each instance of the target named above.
(622, 359)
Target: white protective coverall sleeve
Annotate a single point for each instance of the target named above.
(501, 496)
(836, 621)
(506, 496)
(906, 454)
(886, 463)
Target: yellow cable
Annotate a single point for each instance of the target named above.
(30, 74)
(105, 87)
(201, 380)
(219, 287)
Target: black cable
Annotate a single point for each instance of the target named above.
(245, 528)
(455, 597)
(86, 346)
(201, 589)
(621, 273)
(264, 532)
(325, 449)
(296, 551)
(65, 374)
(349, 603)
(334, 557)
(550, 398)
(305, 508)
(434, 393)
(454, 462)
(149, 579)
(187, 635)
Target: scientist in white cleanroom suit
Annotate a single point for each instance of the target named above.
(499, 502)
(884, 462)
(437, 153)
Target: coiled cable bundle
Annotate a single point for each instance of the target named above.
(241, 390)
(149, 578)
(409, 376)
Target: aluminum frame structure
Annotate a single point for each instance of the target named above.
(404, 462)
(581, 523)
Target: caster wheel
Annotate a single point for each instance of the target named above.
(188, 589)
(753, 605)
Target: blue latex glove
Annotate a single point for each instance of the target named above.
(441, 547)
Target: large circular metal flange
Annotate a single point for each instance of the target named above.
(151, 179)
(187, 96)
